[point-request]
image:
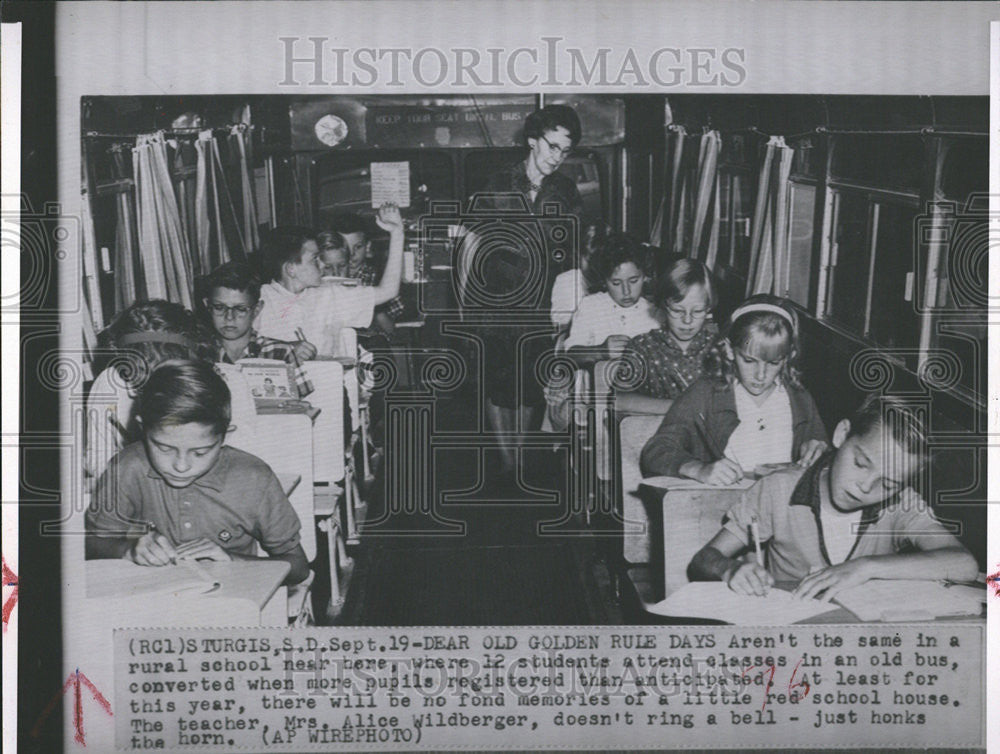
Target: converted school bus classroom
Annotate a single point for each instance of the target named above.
(891, 290)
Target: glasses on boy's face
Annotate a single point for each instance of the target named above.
(686, 314)
(561, 152)
(236, 312)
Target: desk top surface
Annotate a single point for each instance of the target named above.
(251, 580)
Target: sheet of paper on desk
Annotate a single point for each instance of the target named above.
(117, 578)
(716, 601)
(678, 483)
(910, 599)
(391, 184)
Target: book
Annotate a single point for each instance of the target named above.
(120, 578)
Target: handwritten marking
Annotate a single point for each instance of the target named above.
(792, 684)
(74, 678)
(992, 580)
(9, 579)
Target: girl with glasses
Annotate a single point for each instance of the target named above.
(662, 363)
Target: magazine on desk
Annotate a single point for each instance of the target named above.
(453, 597)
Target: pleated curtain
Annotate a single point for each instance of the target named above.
(250, 238)
(126, 246)
(166, 262)
(705, 223)
(206, 199)
(769, 231)
(92, 311)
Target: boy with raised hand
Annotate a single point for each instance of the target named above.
(297, 304)
(359, 264)
(232, 299)
(848, 518)
(182, 493)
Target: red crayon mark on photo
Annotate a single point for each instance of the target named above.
(9, 579)
(994, 581)
(75, 678)
(802, 685)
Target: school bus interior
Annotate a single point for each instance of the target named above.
(867, 212)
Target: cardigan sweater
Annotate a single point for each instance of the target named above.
(699, 423)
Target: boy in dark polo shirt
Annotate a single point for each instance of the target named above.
(181, 493)
(845, 520)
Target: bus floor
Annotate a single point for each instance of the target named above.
(504, 552)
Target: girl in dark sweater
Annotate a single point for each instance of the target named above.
(748, 410)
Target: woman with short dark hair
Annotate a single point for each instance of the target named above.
(505, 269)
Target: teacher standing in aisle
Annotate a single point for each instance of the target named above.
(513, 391)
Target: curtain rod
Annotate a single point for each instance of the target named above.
(819, 130)
(168, 132)
(924, 130)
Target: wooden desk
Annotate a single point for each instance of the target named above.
(250, 594)
(691, 517)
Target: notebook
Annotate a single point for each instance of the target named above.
(678, 483)
(911, 599)
(716, 601)
(118, 578)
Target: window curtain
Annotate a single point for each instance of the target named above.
(165, 258)
(705, 230)
(224, 231)
(93, 314)
(250, 238)
(127, 287)
(207, 205)
(665, 232)
(769, 231)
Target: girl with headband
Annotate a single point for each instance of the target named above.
(748, 410)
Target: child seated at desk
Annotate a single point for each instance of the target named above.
(181, 493)
(665, 361)
(748, 410)
(604, 321)
(296, 303)
(232, 299)
(139, 339)
(847, 519)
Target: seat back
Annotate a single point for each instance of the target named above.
(690, 519)
(633, 432)
(282, 441)
(327, 378)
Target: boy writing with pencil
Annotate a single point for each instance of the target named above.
(848, 518)
(181, 494)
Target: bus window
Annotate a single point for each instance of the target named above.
(888, 162)
(894, 321)
(736, 203)
(847, 300)
(802, 204)
(963, 278)
(343, 180)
